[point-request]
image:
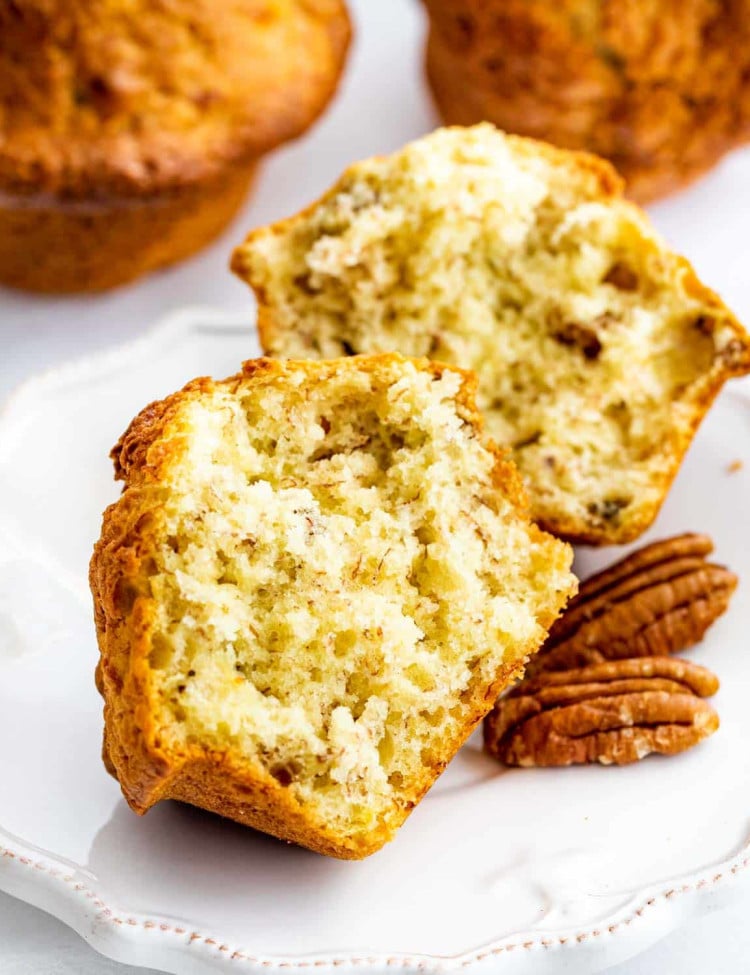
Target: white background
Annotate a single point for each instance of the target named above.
(383, 93)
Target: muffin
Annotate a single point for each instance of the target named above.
(129, 132)
(598, 350)
(288, 635)
(659, 88)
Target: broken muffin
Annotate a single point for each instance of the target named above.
(317, 580)
(597, 348)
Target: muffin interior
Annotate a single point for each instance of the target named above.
(339, 580)
(592, 343)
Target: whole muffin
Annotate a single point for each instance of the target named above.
(659, 87)
(129, 130)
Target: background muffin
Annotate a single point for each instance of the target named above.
(129, 131)
(659, 87)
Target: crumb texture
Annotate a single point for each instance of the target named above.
(597, 349)
(338, 576)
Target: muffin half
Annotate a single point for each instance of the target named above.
(598, 350)
(317, 580)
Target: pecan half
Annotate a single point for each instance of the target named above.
(659, 600)
(613, 713)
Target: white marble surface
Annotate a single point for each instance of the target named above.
(36, 333)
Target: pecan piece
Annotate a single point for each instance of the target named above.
(659, 600)
(613, 713)
(687, 545)
(621, 276)
(586, 339)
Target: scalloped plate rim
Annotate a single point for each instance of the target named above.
(48, 882)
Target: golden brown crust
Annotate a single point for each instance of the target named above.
(128, 100)
(62, 248)
(150, 769)
(132, 132)
(659, 88)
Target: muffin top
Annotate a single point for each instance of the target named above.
(659, 87)
(108, 97)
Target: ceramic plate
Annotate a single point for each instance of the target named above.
(505, 871)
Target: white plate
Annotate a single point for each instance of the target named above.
(528, 872)
(508, 871)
